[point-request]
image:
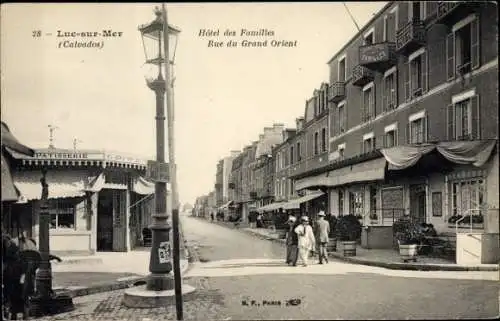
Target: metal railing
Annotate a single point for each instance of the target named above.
(382, 215)
(467, 214)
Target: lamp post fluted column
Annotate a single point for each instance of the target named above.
(159, 279)
(44, 273)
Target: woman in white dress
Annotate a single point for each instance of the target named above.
(307, 241)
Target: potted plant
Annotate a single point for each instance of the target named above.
(348, 231)
(408, 236)
(332, 244)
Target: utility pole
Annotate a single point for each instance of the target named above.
(172, 168)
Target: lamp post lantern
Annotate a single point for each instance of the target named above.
(159, 41)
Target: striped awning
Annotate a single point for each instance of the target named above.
(142, 186)
(295, 203)
(61, 184)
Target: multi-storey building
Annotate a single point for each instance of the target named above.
(413, 117)
(219, 183)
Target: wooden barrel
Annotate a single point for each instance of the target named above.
(349, 248)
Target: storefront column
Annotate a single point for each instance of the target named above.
(127, 220)
(93, 222)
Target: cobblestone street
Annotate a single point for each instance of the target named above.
(235, 282)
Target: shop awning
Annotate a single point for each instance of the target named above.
(295, 203)
(223, 207)
(61, 184)
(474, 153)
(270, 207)
(9, 192)
(8, 140)
(312, 181)
(142, 186)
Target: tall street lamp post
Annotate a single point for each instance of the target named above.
(157, 37)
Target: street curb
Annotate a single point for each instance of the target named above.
(119, 284)
(387, 265)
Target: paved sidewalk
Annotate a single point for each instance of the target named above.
(379, 257)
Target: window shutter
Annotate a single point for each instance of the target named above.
(385, 93)
(384, 140)
(395, 83)
(410, 10)
(408, 140)
(450, 121)
(474, 29)
(372, 102)
(374, 142)
(450, 56)
(475, 118)
(406, 71)
(345, 117)
(425, 71)
(425, 124)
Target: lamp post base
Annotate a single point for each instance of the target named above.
(53, 304)
(141, 297)
(160, 282)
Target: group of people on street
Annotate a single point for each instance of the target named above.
(301, 240)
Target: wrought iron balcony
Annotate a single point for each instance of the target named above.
(253, 194)
(361, 76)
(336, 91)
(410, 37)
(379, 56)
(450, 12)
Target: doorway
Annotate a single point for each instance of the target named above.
(418, 203)
(105, 221)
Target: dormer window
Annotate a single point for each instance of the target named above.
(369, 38)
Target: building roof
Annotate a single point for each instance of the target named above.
(8, 140)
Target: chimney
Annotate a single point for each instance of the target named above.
(235, 153)
(299, 122)
(268, 130)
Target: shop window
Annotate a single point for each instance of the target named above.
(356, 203)
(62, 213)
(467, 197)
(463, 47)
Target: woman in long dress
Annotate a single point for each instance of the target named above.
(307, 241)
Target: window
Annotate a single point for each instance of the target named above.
(369, 37)
(463, 118)
(416, 79)
(373, 202)
(390, 25)
(341, 202)
(417, 129)
(62, 213)
(467, 196)
(342, 70)
(462, 48)
(316, 143)
(291, 155)
(283, 187)
(291, 184)
(416, 10)
(299, 156)
(341, 118)
(389, 97)
(368, 103)
(323, 140)
(356, 203)
(390, 138)
(368, 143)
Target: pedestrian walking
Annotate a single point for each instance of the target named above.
(292, 242)
(306, 240)
(323, 230)
(212, 216)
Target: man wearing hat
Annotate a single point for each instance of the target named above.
(323, 227)
(292, 242)
(307, 242)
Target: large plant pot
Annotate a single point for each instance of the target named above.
(408, 252)
(332, 245)
(349, 248)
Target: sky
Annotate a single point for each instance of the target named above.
(224, 96)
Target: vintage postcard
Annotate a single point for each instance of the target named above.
(250, 161)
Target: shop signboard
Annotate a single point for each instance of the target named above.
(158, 172)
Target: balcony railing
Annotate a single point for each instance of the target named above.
(361, 76)
(379, 56)
(410, 37)
(336, 91)
(450, 12)
(253, 194)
